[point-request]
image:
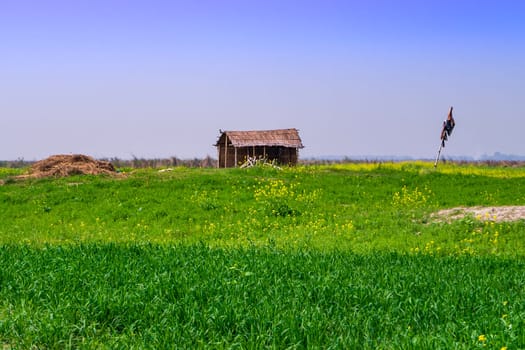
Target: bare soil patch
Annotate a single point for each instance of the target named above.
(493, 213)
(67, 165)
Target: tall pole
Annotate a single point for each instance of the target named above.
(437, 158)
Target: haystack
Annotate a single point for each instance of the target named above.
(67, 165)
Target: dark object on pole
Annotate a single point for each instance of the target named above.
(446, 131)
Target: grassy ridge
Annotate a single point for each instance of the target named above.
(361, 208)
(155, 297)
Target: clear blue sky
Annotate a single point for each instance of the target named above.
(152, 78)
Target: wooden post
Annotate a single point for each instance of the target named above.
(235, 149)
(225, 150)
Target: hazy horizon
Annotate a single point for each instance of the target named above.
(156, 79)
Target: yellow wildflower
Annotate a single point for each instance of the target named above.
(482, 338)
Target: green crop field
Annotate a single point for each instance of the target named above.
(339, 256)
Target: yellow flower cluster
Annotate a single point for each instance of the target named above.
(273, 189)
(486, 237)
(411, 198)
(283, 199)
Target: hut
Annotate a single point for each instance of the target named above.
(235, 147)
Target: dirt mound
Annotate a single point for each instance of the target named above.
(67, 165)
(497, 214)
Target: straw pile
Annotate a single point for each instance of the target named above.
(67, 165)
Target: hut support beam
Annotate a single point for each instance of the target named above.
(226, 151)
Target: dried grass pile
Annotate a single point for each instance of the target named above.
(67, 165)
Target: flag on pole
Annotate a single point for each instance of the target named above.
(448, 126)
(446, 131)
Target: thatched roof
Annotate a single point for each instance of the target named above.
(279, 137)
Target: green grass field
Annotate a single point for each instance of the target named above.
(339, 256)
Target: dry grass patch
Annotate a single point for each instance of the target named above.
(491, 213)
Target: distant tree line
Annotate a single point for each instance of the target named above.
(209, 162)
